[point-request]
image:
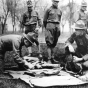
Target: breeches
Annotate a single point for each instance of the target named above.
(30, 28)
(52, 33)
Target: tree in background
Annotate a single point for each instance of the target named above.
(68, 14)
(13, 12)
(11, 9)
(5, 7)
(14, 9)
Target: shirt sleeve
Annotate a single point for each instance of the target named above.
(17, 53)
(71, 39)
(16, 48)
(87, 19)
(39, 20)
(23, 21)
(45, 18)
(85, 57)
(76, 16)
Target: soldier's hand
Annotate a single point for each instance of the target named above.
(28, 65)
(76, 59)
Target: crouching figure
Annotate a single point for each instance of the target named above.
(14, 43)
(79, 61)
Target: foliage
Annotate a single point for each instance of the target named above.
(5, 7)
(68, 12)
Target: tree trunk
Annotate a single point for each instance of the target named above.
(13, 28)
(3, 27)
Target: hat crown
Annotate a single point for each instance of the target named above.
(29, 3)
(83, 4)
(56, 0)
(80, 25)
(31, 37)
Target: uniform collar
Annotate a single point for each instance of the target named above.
(54, 7)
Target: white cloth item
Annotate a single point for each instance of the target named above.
(29, 50)
(71, 49)
(56, 81)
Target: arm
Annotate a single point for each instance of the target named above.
(17, 53)
(23, 20)
(71, 39)
(85, 57)
(45, 18)
(76, 16)
(39, 20)
(68, 43)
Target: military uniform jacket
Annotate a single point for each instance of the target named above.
(31, 18)
(11, 43)
(52, 15)
(82, 44)
(80, 15)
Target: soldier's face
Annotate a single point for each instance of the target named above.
(84, 8)
(55, 3)
(27, 43)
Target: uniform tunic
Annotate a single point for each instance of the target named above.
(80, 15)
(29, 20)
(82, 46)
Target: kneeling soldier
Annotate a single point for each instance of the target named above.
(14, 43)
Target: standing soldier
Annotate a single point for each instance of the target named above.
(51, 22)
(30, 20)
(81, 14)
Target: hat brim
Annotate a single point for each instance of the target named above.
(29, 6)
(79, 28)
(27, 38)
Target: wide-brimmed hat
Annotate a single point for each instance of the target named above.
(83, 4)
(79, 25)
(31, 37)
(56, 0)
(29, 3)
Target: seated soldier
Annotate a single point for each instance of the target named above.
(15, 43)
(80, 37)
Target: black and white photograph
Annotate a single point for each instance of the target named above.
(43, 43)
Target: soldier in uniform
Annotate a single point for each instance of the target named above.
(82, 14)
(14, 43)
(30, 20)
(80, 37)
(51, 23)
